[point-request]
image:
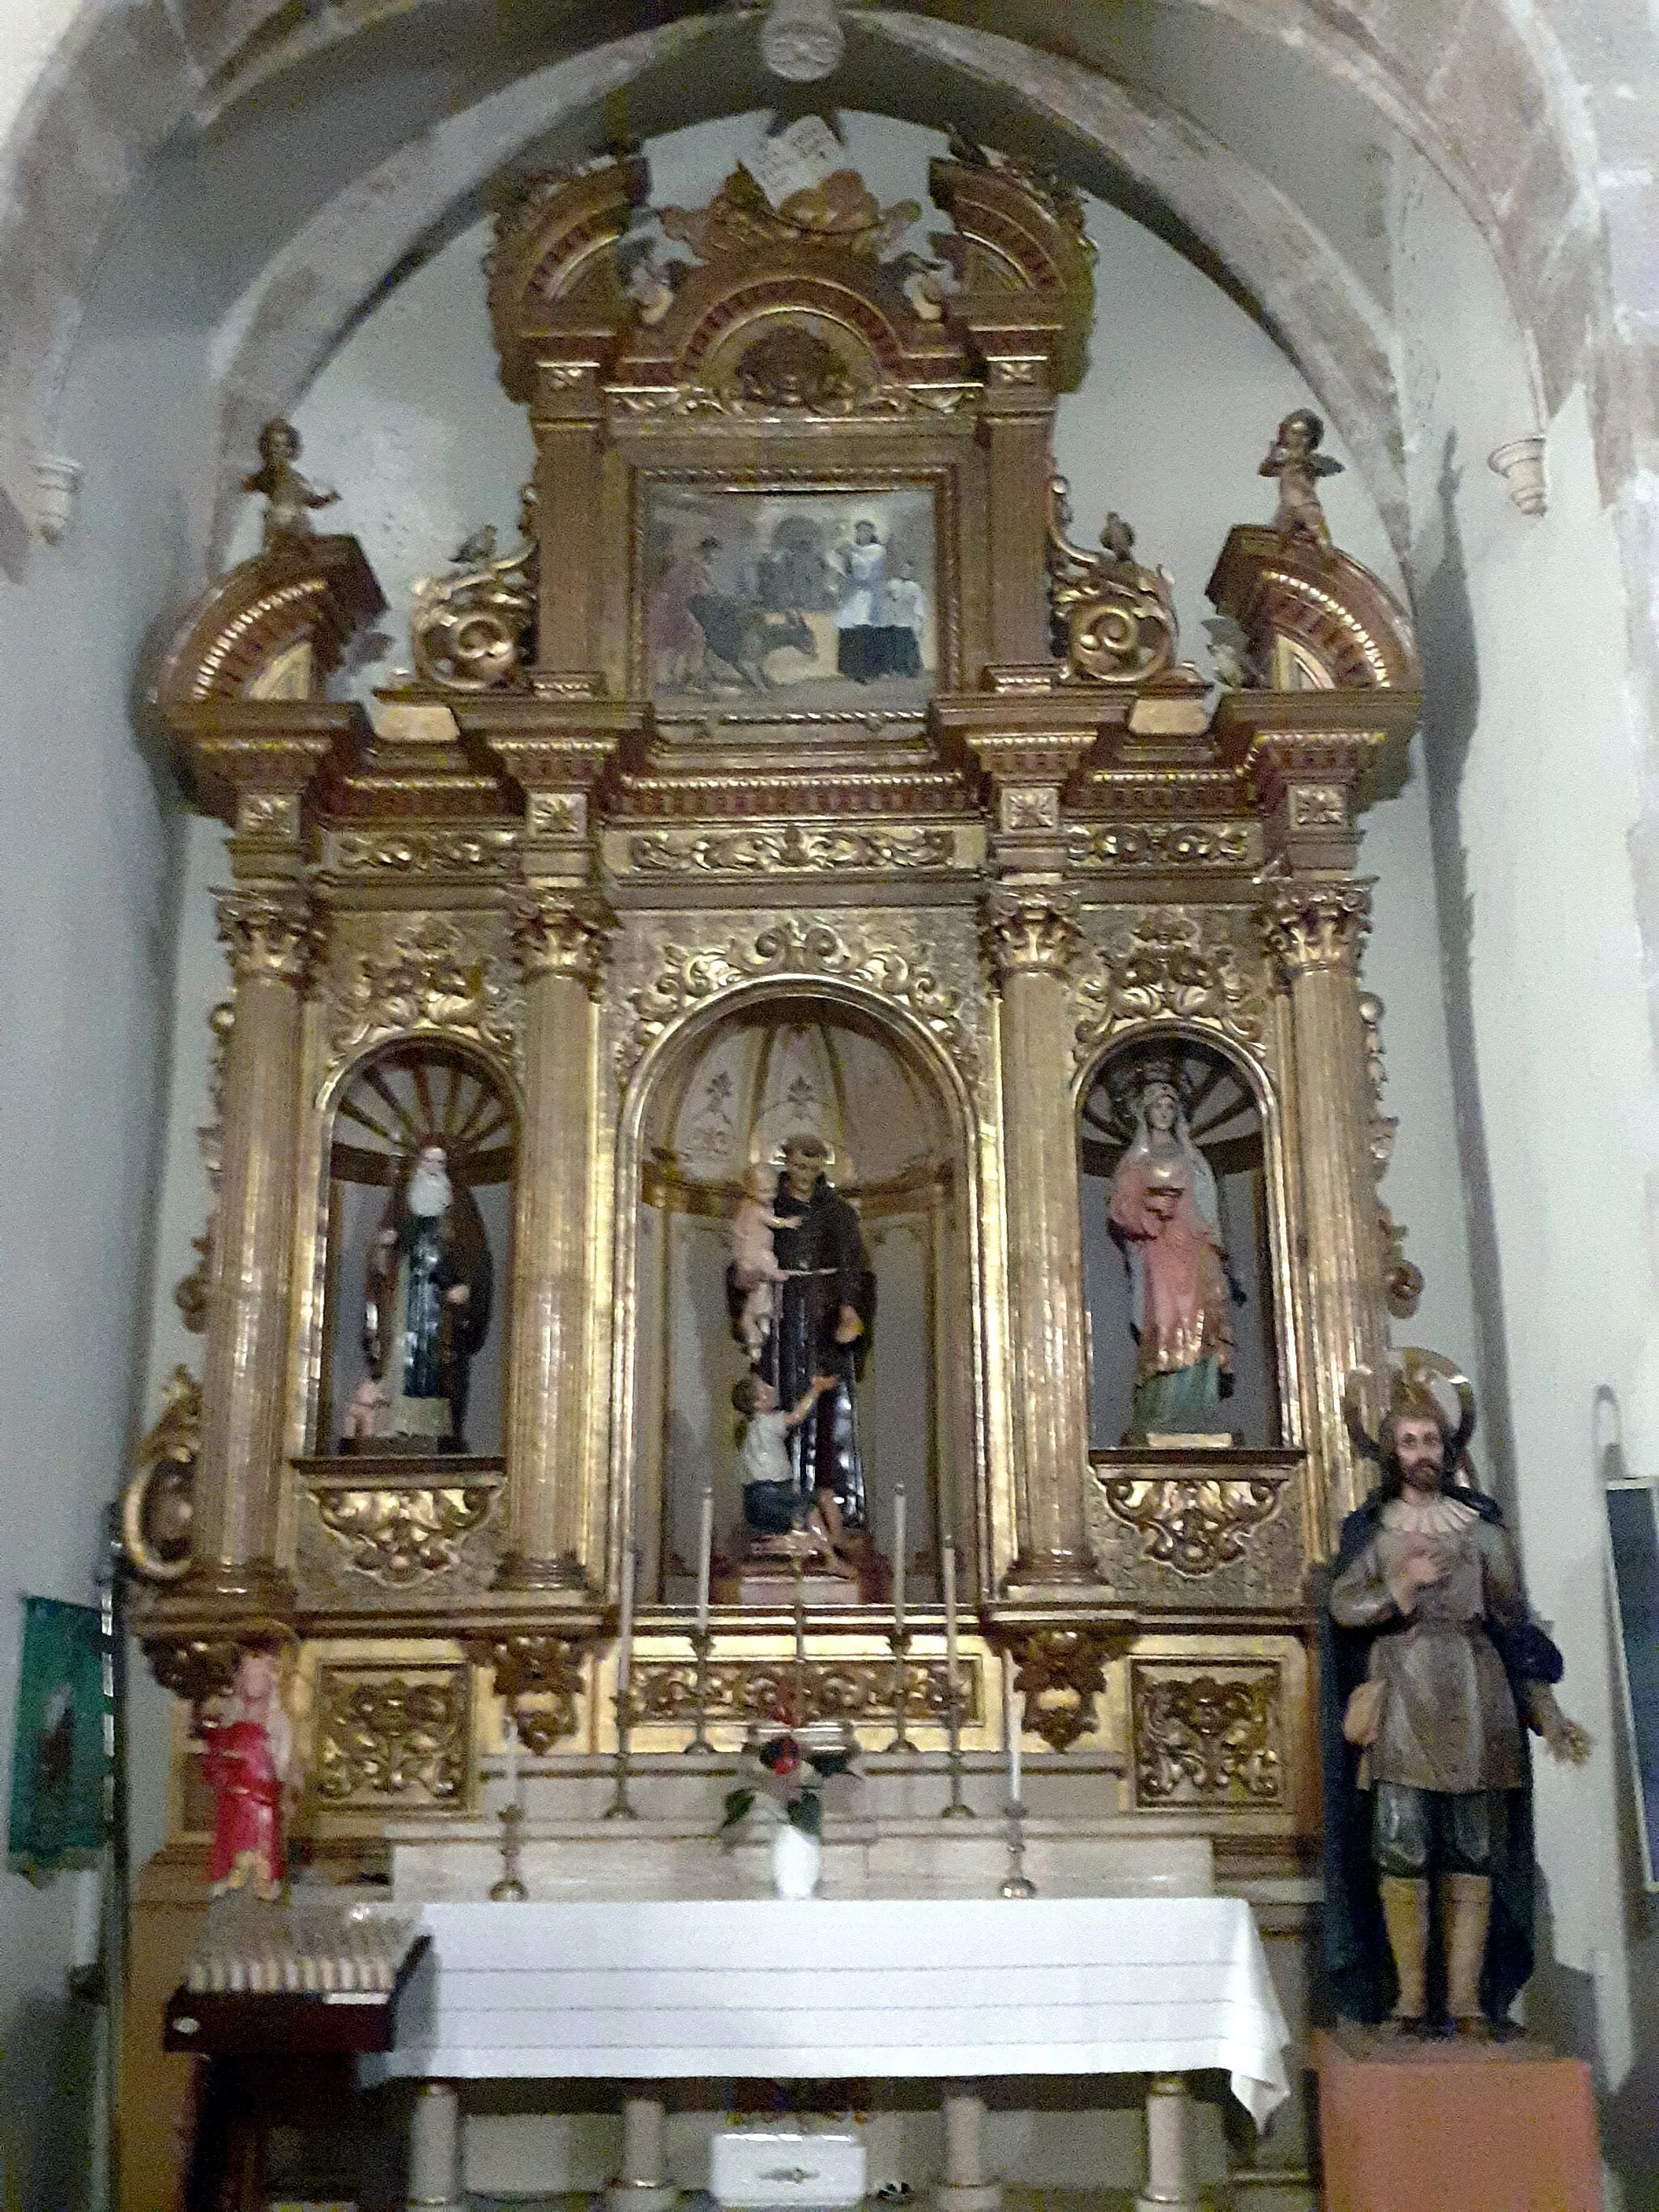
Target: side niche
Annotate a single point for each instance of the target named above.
(1177, 1249)
(419, 1214)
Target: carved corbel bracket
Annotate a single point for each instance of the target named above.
(192, 1635)
(539, 1672)
(1059, 1671)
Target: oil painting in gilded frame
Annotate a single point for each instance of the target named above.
(60, 1758)
(812, 599)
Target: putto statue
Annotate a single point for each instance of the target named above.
(1165, 1216)
(426, 1311)
(1295, 459)
(289, 498)
(1433, 1673)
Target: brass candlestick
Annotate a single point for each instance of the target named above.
(619, 1809)
(1017, 1882)
(956, 1810)
(703, 1643)
(899, 1642)
(509, 1890)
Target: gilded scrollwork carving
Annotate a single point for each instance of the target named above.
(1313, 922)
(267, 934)
(1031, 929)
(767, 1690)
(1207, 1739)
(402, 1533)
(1059, 1672)
(424, 972)
(768, 851)
(156, 1505)
(540, 1676)
(392, 1732)
(190, 1292)
(1115, 620)
(194, 1667)
(1195, 1524)
(897, 957)
(1402, 1279)
(470, 629)
(1163, 845)
(559, 933)
(420, 851)
(1192, 965)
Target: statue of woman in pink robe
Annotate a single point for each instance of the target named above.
(1164, 1213)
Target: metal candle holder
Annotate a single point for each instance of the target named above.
(899, 1642)
(619, 1809)
(703, 1643)
(509, 1890)
(956, 1810)
(1017, 1882)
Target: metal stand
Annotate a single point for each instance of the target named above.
(619, 1809)
(898, 1641)
(509, 1890)
(703, 1643)
(1017, 1882)
(956, 1810)
(799, 1715)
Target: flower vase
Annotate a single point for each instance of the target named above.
(797, 1860)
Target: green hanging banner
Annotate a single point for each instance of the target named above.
(60, 1760)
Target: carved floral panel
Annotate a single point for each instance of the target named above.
(1209, 1734)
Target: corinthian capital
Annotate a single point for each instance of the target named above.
(267, 934)
(1313, 923)
(1030, 930)
(563, 933)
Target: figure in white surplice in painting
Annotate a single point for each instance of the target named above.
(1165, 1216)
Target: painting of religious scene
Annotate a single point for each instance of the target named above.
(811, 600)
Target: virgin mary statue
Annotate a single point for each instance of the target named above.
(1165, 1218)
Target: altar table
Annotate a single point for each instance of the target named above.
(833, 1988)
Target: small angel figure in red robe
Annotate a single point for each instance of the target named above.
(250, 1748)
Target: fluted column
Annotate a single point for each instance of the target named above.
(1032, 933)
(237, 1476)
(560, 936)
(1313, 928)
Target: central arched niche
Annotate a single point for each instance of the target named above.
(1224, 1121)
(800, 1063)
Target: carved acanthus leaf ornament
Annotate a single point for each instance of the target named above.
(1059, 1672)
(555, 933)
(267, 934)
(398, 1535)
(1030, 931)
(541, 1678)
(1312, 923)
(1188, 964)
(769, 1690)
(400, 1734)
(1207, 1739)
(767, 852)
(424, 973)
(1163, 845)
(937, 984)
(1191, 1523)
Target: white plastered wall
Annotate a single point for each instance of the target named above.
(1530, 731)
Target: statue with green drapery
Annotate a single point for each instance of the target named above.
(1165, 1219)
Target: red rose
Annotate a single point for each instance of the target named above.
(781, 1755)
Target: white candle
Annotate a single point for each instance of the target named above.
(705, 1556)
(898, 1557)
(625, 1629)
(1011, 1729)
(948, 1574)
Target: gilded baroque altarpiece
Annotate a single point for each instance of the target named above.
(797, 723)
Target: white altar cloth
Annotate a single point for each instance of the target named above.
(836, 1988)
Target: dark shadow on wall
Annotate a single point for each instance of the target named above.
(48, 2086)
(1451, 706)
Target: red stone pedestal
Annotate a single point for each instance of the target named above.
(1454, 2127)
